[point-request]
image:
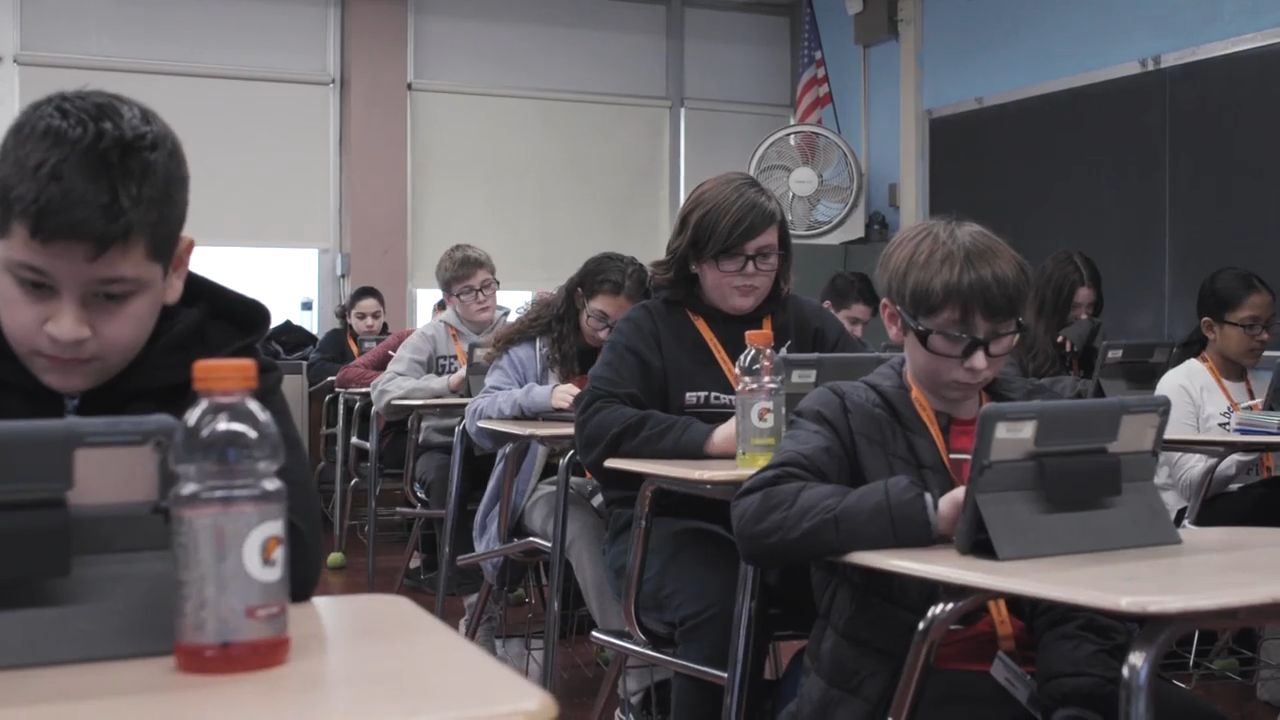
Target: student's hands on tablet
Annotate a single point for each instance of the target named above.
(458, 377)
(723, 441)
(562, 396)
(949, 508)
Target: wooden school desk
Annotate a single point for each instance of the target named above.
(418, 409)
(353, 656)
(1218, 447)
(1217, 577)
(556, 435)
(718, 479)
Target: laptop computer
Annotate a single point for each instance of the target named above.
(1130, 368)
(806, 371)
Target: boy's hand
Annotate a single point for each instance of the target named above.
(723, 441)
(949, 508)
(456, 379)
(562, 396)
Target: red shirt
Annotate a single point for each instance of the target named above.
(974, 646)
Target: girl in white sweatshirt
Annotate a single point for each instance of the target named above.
(1222, 375)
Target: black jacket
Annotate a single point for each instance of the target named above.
(657, 390)
(208, 321)
(852, 473)
(332, 353)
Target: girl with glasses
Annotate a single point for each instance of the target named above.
(1222, 375)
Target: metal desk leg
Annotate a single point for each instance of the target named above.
(452, 503)
(374, 477)
(340, 453)
(1193, 508)
(932, 627)
(635, 562)
(1139, 667)
(551, 626)
(742, 644)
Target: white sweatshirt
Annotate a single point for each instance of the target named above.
(1199, 408)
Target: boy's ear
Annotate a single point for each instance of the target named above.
(892, 322)
(175, 280)
(827, 304)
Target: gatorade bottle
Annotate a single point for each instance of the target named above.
(760, 408)
(229, 526)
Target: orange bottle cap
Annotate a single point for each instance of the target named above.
(760, 338)
(224, 375)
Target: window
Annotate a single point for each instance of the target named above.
(424, 298)
(283, 279)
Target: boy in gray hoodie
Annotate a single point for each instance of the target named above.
(431, 364)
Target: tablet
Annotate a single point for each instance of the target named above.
(369, 342)
(806, 371)
(1052, 478)
(1130, 368)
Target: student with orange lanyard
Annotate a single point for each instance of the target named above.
(361, 316)
(663, 388)
(1237, 311)
(882, 463)
(431, 364)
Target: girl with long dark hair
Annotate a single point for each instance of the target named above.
(1066, 289)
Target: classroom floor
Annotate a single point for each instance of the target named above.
(580, 677)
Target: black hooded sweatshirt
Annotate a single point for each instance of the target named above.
(209, 321)
(657, 390)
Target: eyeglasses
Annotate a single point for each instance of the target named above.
(960, 345)
(737, 262)
(599, 322)
(470, 294)
(1255, 329)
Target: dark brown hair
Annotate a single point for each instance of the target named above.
(459, 263)
(945, 263)
(720, 216)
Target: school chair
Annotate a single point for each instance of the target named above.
(418, 506)
(360, 467)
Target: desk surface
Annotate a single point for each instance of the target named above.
(1244, 442)
(540, 429)
(432, 403)
(1213, 569)
(352, 656)
(705, 471)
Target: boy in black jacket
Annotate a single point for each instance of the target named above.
(98, 312)
(866, 465)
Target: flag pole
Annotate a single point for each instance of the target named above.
(835, 113)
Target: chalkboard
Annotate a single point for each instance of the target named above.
(1161, 177)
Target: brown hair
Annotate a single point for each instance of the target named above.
(945, 263)
(720, 216)
(459, 263)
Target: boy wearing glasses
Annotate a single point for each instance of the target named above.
(883, 462)
(431, 364)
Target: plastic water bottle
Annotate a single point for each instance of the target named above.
(228, 514)
(760, 407)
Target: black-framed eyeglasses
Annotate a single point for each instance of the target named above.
(599, 322)
(471, 294)
(961, 346)
(1255, 329)
(737, 262)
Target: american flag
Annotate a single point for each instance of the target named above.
(813, 92)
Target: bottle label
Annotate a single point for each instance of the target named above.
(233, 579)
(762, 414)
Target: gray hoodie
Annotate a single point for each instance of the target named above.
(421, 367)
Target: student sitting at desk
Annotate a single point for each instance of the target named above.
(99, 314)
(361, 316)
(432, 364)
(1237, 312)
(663, 388)
(851, 297)
(1066, 290)
(540, 363)
(867, 465)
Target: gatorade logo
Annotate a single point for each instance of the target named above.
(263, 552)
(762, 414)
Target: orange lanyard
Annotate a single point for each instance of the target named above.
(998, 608)
(1268, 465)
(717, 349)
(355, 349)
(457, 347)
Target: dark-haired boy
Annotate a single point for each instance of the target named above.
(98, 312)
(867, 465)
(852, 298)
